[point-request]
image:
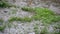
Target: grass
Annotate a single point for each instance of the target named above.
(44, 31)
(36, 29)
(57, 32)
(46, 15)
(43, 14)
(25, 19)
(4, 4)
(57, 26)
(2, 27)
(13, 11)
(27, 9)
(11, 19)
(1, 20)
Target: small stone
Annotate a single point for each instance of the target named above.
(32, 33)
(5, 11)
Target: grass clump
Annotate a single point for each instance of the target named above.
(25, 19)
(1, 20)
(57, 32)
(44, 14)
(11, 19)
(57, 28)
(27, 9)
(2, 27)
(44, 31)
(36, 29)
(4, 4)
